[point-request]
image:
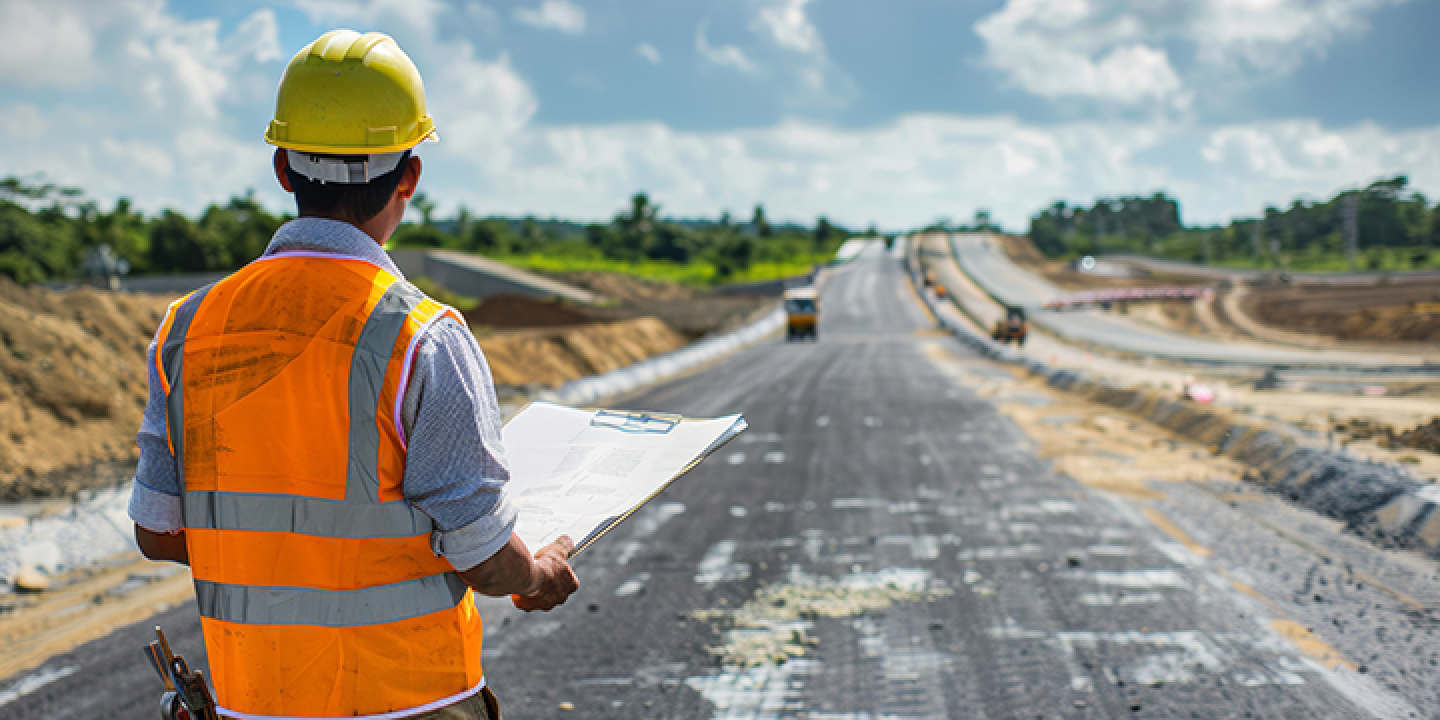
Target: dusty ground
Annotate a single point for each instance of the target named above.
(72, 384)
(1391, 312)
(518, 311)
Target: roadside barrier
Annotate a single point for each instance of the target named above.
(1379, 500)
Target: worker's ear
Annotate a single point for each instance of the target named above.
(282, 163)
(411, 180)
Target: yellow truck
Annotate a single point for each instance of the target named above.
(1013, 327)
(802, 313)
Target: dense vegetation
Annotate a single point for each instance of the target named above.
(638, 240)
(1396, 230)
(52, 233)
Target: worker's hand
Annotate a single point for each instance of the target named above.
(557, 579)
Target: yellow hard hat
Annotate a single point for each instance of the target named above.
(350, 94)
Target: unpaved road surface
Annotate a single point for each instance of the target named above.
(885, 541)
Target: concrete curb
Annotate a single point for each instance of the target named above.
(1379, 500)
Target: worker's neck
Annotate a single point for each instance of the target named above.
(376, 228)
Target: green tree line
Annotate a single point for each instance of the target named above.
(1396, 229)
(47, 232)
(637, 236)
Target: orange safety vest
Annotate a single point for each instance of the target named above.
(319, 594)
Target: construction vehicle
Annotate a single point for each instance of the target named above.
(1013, 327)
(802, 313)
(187, 696)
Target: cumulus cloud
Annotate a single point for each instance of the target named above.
(45, 44)
(787, 24)
(123, 82)
(1080, 48)
(559, 15)
(1123, 52)
(1274, 35)
(724, 55)
(648, 51)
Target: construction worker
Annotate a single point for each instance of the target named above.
(322, 441)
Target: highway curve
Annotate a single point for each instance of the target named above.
(985, 262)
(884, 543)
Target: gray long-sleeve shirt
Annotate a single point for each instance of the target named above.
(455, 468)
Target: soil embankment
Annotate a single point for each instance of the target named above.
(73, 380)
(1387, 313)
(72, 385)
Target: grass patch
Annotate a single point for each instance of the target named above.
(696, 274)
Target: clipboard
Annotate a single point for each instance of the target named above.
(632, 421)
(583, 472)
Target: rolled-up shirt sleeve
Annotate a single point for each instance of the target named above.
(455, 469)
(155, 492)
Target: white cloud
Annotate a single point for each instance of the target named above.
(1121, 51)
(724, 55)
(648, 51)
(787, 24)
(800, 61)
(559, 15)
(1090, 49)
(125, 83)
(45, 44)
(1274, 35)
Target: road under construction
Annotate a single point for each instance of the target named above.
(913, 530)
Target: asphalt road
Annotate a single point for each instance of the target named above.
(984, 261)
(883, 543)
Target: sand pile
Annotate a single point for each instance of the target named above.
(72, 384)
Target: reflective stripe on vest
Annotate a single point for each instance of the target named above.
(324, 608)
(318, 591)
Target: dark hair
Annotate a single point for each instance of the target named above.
(356, 203)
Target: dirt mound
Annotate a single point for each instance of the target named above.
(692, 312)
(72, 384)
(555, 357)
(519, 311)
(1423, 437)
(1388, 312)
(627, 288)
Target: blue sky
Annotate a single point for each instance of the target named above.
(895, 113)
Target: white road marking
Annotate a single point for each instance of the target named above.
(738, 511)
(718, 565)
(1136, 579)
(633, 585)
(735, 458)
(31, 683)
(823, 421)
(1001, 552)
(774, 458)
